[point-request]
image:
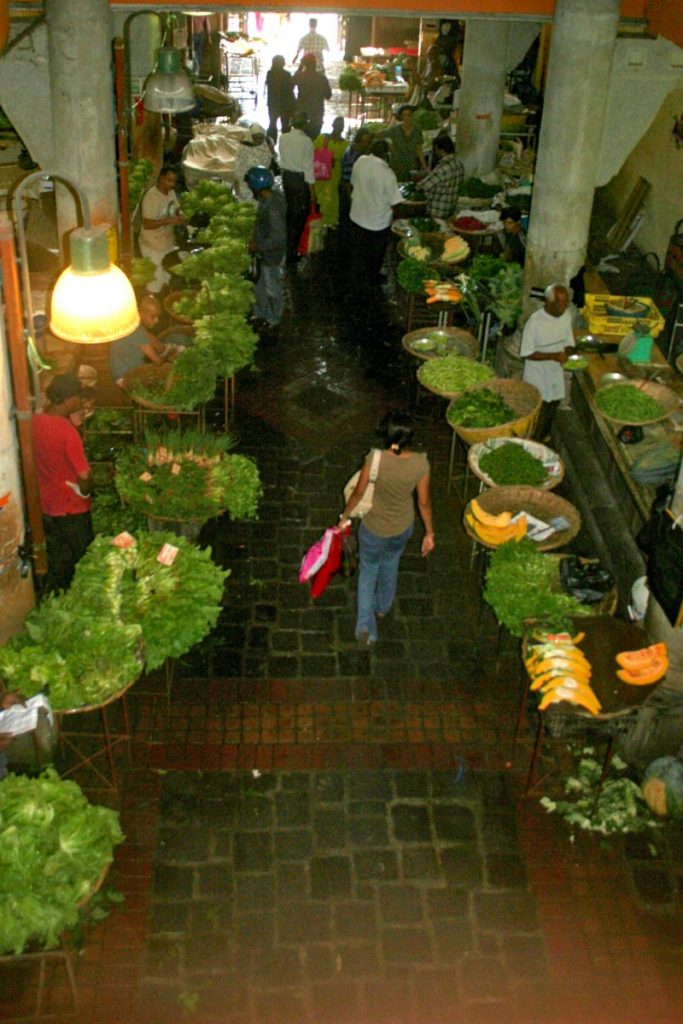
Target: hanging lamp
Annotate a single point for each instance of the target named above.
(168, 89)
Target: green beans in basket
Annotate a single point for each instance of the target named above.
(453, 373)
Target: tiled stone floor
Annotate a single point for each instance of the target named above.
(277, 713)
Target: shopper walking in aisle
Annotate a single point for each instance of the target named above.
(312, 89)
(360, 146)
(269, 243)
(388, 526)
(279, 97)
(327, 191)
(298, 180)
(313, 43)
(374, 196)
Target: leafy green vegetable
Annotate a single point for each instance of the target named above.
(187, 475)
(54, 846)
(142, 271)
(427, 120)
(424, 224)
(483, 267)
(453, 373)
(207, 197)
(617, 806)
(230, 339)
(139, 179)
(475, 188)
(518, 586)
(350, 81)
(412, 274)
(506, 294)
(513, 464)
(481, 408)
(229, 256)
(628, 402)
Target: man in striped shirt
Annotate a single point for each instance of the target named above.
(442, 184)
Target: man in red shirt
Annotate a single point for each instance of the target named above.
(63, 479)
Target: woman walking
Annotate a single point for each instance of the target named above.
(327, 192)
(388, 526)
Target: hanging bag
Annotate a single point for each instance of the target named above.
(323, 159)
(312, 237)
(365, 503)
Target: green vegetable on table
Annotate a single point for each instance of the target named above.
(519, 587)
(350, 80)
(411, 274)
(629, 403)
(513, 464)
(453, 373)
(54, 846)
(475, 188)
(427, 120)
(421, 224)
(481, 408)
(207, 197)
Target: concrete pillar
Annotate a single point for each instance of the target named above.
(579, 68)
(82, 91)
(493, 47)
(16, 591)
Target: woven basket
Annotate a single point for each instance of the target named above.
(445, 394)
(662, 394)
(172, 298)
(524, 400)
(150, 373)
(455, 338)
(540, 451)
(543, 504)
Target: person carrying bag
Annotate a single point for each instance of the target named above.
(388, 523)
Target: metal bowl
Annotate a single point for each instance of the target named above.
(611, 378)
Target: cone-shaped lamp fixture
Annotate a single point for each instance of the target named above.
(92, 301)
(168, 90)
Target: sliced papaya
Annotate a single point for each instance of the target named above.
(643, 678)
(560, 671)
(633, 659)
(486, 518)
(579, 665)
(579, 697)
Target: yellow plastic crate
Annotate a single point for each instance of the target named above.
(607, 325)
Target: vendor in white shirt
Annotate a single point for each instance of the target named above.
(375, 196)
(547, 340)
(298, 180)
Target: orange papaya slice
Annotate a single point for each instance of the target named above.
(633, 659)
(486, 519)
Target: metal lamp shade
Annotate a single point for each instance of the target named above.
(93, 301)
(168, 89)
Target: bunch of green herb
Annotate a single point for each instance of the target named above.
(480, 408)
(222, 293)
(629, 403)
(350, 81)
(55, 845)
(188, 476)
(484, 267)
(453, 373)
(424, 224)
(513, 464)
(427, 120)
(506, 294)
(110, 516)
(519, 587)
(412, 274)
(616, 807)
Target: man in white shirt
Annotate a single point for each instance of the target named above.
(374, 195)
(313, 43)
(547, 340)
(295, 151)
(160, 214)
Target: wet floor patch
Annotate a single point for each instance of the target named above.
(363, 896)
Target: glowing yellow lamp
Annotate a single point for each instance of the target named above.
(93, 301)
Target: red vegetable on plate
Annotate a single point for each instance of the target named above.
(468, 224)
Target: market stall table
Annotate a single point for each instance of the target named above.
(98, 740)
(604, 638)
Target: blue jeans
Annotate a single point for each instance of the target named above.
(377, 575)
(269, 298)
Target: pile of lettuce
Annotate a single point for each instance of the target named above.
(54, 846)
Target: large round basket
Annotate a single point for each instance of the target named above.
(151, 375)
(552, 462)
(543, 505)
(665, 396)
(170, 301)
(524, 400)
(446, 340)
(444, 394)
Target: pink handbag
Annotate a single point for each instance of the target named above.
(323, 160)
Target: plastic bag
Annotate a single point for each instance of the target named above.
(322, 163)
(588, 582)
(349, 555)
(312, 237)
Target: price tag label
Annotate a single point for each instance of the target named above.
(123, 540)
(167, 555)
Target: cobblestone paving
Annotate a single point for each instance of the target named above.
(380, 896)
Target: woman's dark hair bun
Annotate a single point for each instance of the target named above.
(397, 427)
